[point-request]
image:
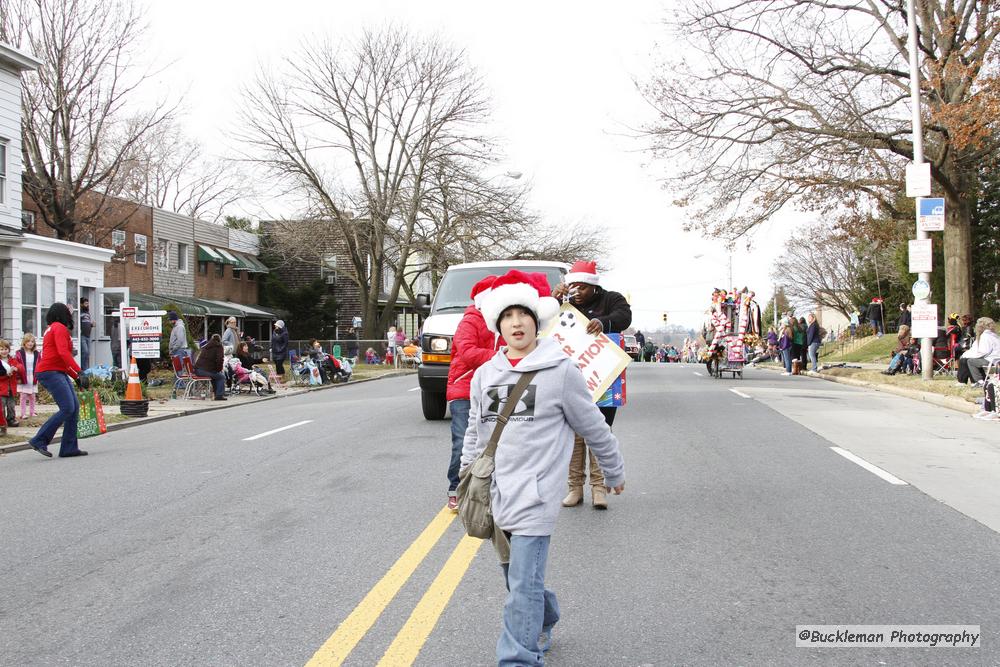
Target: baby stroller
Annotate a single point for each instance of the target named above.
(254, 380)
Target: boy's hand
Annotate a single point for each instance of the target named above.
(594, 327)
(616, 490)
(561, 290)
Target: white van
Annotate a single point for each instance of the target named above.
(450, 302)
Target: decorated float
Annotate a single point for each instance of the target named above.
(733, 326)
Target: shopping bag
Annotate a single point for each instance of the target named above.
(91, 421)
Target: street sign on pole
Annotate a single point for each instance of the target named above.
(921, 256)
(921, 290)
(930, 214)
(918, 179)
(924, 322)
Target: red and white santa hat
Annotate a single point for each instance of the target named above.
(481, 289)
(530, 291)
(583, 272)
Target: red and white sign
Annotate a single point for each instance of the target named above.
(924, 321)
(600, 359)
(145, 333)
(128, 313)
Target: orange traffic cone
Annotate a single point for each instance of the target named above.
(133, 392)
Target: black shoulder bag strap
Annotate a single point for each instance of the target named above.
(508, 408)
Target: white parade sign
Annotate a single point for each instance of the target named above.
(924, 322)
(921, 256)
(918, 180)
(600, 359)
(930, 214)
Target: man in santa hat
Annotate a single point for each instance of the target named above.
(609, 312)
(472, 346)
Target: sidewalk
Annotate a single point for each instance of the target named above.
(162, 409)
(942, 393)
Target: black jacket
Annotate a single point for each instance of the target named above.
(611, 309)
(279, 344)
(905, 318)
(875, 312)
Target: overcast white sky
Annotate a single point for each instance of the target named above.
(561, 77)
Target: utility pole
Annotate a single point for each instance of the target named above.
(926, 344)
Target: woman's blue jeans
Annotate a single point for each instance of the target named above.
(64, 394)
(530, 608)
(459, 423)
(786, 359)
(814, 356)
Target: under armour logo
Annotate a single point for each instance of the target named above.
(498, 394)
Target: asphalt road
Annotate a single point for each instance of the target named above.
(182, 543)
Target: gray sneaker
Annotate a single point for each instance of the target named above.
(545, 640)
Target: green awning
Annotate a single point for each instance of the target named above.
(229, 258)
(255, 265)
(206, 254)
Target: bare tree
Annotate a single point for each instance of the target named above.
(79, 120)
(168, 170)
(822, 266)
(376, 113)
(805, 102)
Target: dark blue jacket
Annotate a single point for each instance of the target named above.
(812, 334)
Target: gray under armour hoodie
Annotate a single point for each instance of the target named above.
(533, 455)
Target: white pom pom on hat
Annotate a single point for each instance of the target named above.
(515, 288)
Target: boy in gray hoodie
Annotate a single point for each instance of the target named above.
(533, 454)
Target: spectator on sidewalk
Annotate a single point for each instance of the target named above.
(854, 322)
(352, 345)
(640, 340)
(804, 349)
(86, 328)
(210, 363)
(785, 346)
(798, 340)
(243, 354)
(533, 454)
(984, 351)
(901, 357)
(875, 316)
(56, 372)
(27, 387)
(813, 341)
(230, 336)
(10, 372)
(178, 344)
(905, 316)
(279, 347)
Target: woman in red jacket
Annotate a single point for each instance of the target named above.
(56, 372)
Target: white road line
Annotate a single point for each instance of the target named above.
(699, 374)
(277, 430)
(738, 392)
(414, 389)
(892, 479)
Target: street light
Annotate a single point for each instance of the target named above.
(730, 262)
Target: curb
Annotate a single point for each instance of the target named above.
(299, 391)
(950, 402)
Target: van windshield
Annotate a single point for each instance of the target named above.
(453, 293)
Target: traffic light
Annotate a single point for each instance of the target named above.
(664, 317)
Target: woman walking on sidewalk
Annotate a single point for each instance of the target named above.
(56, 372)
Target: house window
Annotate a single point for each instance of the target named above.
(140, 249)
(37, 294)
(28, 221)
(202, 268)
(182, 257)
(329, 269)
(251, 276)
(3, 171)
(220, 270)
(118, 243)
(161, 254)
(73, 299)
(236, 274)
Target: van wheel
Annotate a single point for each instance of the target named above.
(434, 405)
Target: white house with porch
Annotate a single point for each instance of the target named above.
(35, 271)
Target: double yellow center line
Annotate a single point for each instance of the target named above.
(411, 638)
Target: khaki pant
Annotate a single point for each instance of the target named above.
(577, 465)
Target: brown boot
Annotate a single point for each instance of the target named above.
(596, 474)
(575, 495)
(600, 497)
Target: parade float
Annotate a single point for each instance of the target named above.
(733, 326)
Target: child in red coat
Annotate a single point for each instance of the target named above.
(10, 372)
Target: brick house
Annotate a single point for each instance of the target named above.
(334, 266)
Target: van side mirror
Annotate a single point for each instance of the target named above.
(423, 302)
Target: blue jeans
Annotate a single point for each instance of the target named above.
(814, 355)
(64, 393)
(530, 608)
(459, 424)
(84, 353)
(218, 380)
(786, 359)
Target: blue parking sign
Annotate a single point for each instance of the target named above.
(930, 214)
